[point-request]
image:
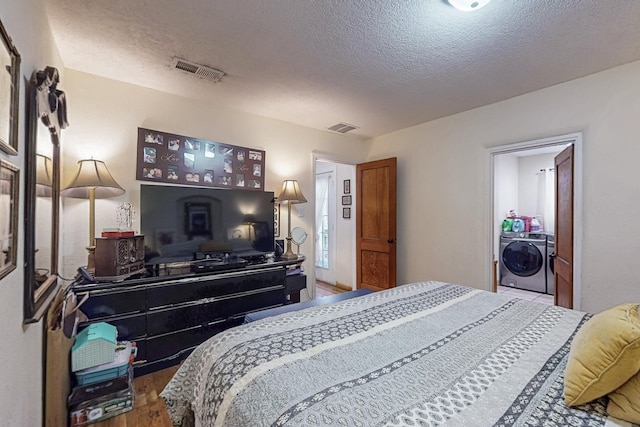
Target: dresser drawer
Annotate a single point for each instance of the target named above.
(129, 327)
(169, 293)
(114, 302)
(187, 315)
(172, 344)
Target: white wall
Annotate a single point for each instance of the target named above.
(530, 181)
(105, 114)
(505, 193)
(346, 229)
(443, 223)
(326, 174)
(21, 354)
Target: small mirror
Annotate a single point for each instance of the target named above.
(298, 236)
(46, 116)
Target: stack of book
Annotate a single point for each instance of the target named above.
(103, 390)
(117, 232)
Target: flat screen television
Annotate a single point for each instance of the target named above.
(183, 223)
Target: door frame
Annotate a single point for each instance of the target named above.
(330, 275)
(328, 157)
(560, 140)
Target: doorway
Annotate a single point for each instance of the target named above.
(334, 234)
(522, 181)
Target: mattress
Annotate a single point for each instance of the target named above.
(424, 354)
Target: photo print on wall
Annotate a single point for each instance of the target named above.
(168, 157)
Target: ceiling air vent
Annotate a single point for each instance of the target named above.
(194, 69)
(342, 127)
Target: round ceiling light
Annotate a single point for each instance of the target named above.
(468, 5)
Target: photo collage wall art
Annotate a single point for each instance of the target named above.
(178, 159)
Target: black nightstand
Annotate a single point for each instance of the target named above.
(293, 285)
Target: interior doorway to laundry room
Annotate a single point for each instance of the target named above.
(523, 194)
(334, 236)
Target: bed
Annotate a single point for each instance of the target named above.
(423, 354)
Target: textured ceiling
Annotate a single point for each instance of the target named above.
(381, 65)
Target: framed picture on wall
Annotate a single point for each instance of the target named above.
(180, 159)
(9, 93)
(347, 186)
(198, 222)
(9, 191)
(346, 213)
(346, 200)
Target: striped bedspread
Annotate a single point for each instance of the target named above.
(424, 354)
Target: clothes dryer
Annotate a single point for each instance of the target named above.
(523, 261)
(551, 257)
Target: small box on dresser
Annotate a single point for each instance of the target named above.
(117, 258)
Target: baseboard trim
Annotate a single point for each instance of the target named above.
(343, 286)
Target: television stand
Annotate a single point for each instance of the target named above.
(168, 316)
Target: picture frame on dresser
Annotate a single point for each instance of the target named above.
(9, 94)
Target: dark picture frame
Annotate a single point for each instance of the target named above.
(179, 159)
(9, 94)
(346, 213)
(346, 200)
(198, 219)
(346, 186)
(46, 110)
(9, 186)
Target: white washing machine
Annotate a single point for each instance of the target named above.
(523, 259)
(551, 257)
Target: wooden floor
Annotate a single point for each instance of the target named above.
(149, 409)
(324, 289)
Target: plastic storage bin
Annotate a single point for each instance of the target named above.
(109, 370)
(93, 346)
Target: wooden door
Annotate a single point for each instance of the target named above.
(563, 265)
(376, 224)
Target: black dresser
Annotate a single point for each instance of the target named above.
(168, 316)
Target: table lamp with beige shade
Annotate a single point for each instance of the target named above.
(290, 194)
(92, 181)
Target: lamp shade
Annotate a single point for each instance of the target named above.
(44, 176)
(44, 170)
(291, 193)
(92, 174)
(249, 219)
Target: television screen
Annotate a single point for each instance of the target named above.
(179, 223)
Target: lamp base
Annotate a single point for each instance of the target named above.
(91, 260)
(289, 253)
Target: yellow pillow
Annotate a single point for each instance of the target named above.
(604, 354)
(624, 403)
